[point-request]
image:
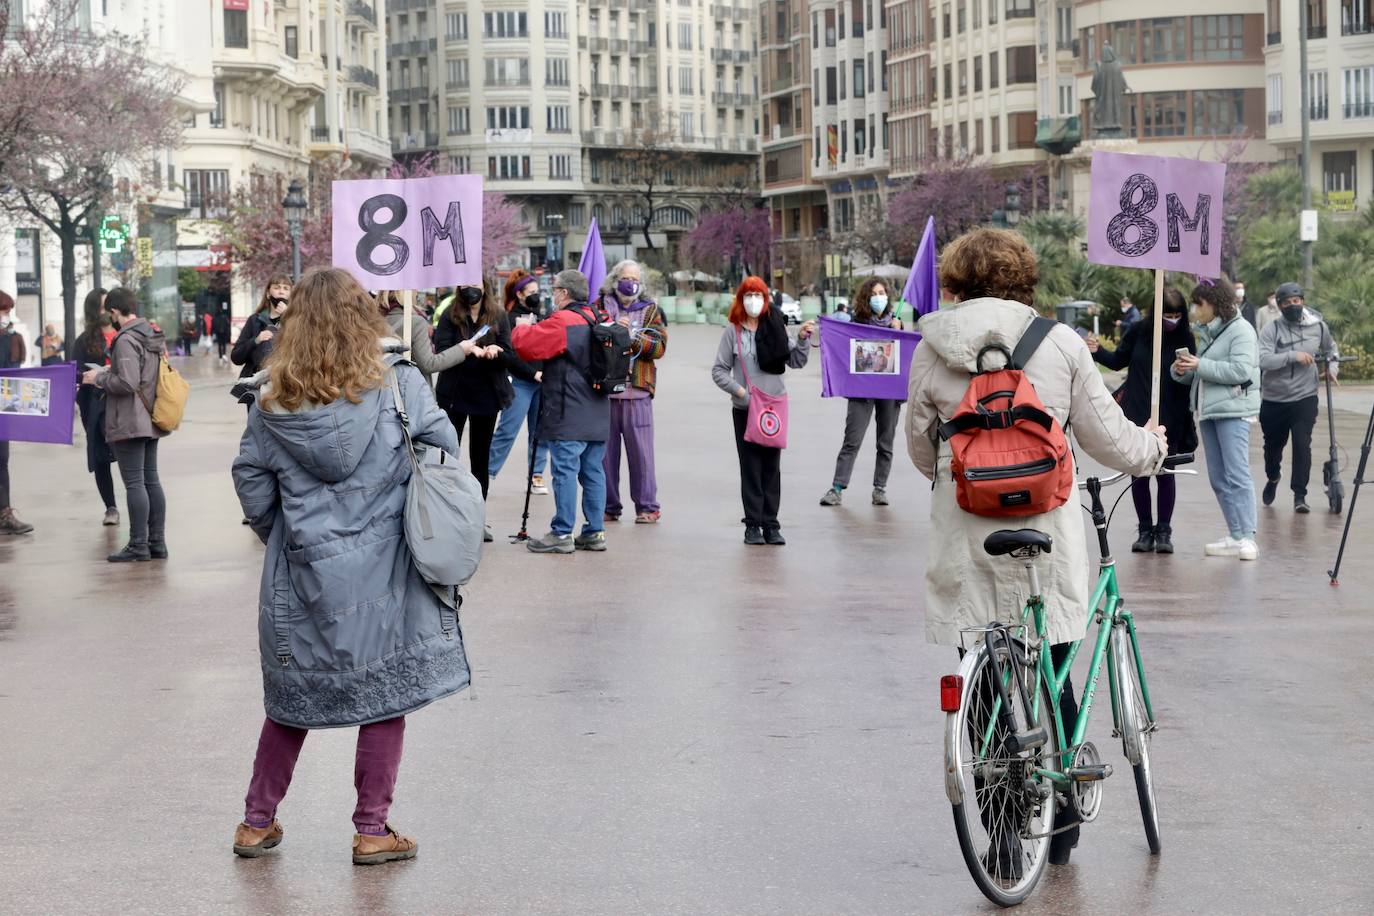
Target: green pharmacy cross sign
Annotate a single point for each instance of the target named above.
(113, 235)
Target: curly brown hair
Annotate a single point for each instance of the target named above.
(328, 345)
(1219, 294)
(863, 312)
(994, 263)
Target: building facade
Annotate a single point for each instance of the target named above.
(1340, 47)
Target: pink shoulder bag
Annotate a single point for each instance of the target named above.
(766, 424)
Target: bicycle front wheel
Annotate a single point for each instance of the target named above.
(1136, 727)
(1003, 810)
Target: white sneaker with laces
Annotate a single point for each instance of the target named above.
(537, 486)
(1226, 547)
(1248, 549)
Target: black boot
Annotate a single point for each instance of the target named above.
(1164, 539)
(1146, 542)
(773, 537)
(753, 535)
(130, 554)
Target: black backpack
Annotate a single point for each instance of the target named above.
(609, 370)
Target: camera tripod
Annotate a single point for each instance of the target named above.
(1335, 571)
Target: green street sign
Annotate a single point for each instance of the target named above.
(113, 234)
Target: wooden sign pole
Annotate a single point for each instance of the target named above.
(1158, 347)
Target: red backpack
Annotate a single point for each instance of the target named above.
(1011, 457)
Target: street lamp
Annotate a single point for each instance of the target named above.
(1013, 204)
(1230, 247)
(295, 205)
(739, 259)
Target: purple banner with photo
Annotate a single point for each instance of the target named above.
(865, 361)
(37, 405)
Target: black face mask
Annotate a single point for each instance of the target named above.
(532, 302)
(276, 301)
(1293, 313)
(470, 296)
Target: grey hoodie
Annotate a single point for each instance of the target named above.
(1282, 378)
(348, 631)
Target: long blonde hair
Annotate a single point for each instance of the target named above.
(328, 346)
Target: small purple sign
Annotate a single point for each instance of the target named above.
(1157, 212)
(865, 361)
(37, 405)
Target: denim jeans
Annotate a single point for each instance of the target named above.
(577, 462)
(524, 408)
(1227, 442)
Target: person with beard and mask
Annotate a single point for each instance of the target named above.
(1288, 389)
(1135, 354)
(754, 350)
(871, 307)
(254, 343)
(632, 411)
(523, 298)
(476, 390)
(130, 385)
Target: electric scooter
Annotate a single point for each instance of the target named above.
(1331, 468)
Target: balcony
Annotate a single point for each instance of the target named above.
(600, 91)
(1275, 117)
(1021, 13)
(321, 135)
(410, 94)
(362, 75)
(619, 45)
(639, 48)
(413, 48)
(1273, 38)
(620, 92)
(405, 6)
(419, 140)
(1318, 111)
(735, 99)
(1358, 110)
(1357, 28)
(506, 82)
(726, 56)
(358, 9)
(593, 43)
(643, 93)
(1316, 31)
(367, 145)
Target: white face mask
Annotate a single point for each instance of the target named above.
(753, 305)
(878, 304)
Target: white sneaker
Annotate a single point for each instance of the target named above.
(1226, 547)
(537, 486)
(1248, 549)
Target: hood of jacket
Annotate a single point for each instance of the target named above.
(957, 334)
(329, 440)
(144, 335)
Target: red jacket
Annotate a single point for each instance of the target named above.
(569, 409)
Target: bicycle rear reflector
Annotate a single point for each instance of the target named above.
(951, 691)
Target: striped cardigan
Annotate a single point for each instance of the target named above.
(647, 349)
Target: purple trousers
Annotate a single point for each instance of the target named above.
(632, 419)
(374, 772)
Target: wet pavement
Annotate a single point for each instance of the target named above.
(679, 725)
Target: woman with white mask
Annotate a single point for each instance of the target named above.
(872, 306)
(754, 352)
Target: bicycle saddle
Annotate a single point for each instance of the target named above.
(1000, 543)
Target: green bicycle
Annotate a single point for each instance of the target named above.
(1009, 765)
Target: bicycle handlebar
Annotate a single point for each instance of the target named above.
(1170, 466)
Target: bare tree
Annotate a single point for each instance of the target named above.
(105, 107)
(650, 161)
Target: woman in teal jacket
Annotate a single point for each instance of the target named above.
(1225, 381)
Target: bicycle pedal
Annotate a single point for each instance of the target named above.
(1090, 773)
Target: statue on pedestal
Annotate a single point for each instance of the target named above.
(1109, 91)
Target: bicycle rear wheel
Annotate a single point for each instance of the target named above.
(1136, 727)
(1004, 812)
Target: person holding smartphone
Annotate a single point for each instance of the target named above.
(476, 390)
(1135, 354)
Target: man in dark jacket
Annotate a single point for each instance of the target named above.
(574, 419)
(11, 357)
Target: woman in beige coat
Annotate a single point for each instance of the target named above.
(992, 273)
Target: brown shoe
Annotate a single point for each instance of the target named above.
(251, 842)
(10, 523)
(374, 850)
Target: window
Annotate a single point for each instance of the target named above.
(507, 117)
(1317, 99)
(1358, 98)
(1273, 98)
(556, 71)
(555, 24)
(460, 165)
(560, 166)
(996, 134)
(829, 29)
(1338, 172)
(843, 94)
(236, 28)
(948, 77)
(1124, 40)
(1019, 9)
(1163, 40)
(858, 79)
(1067, 105)
(687, 126)
(870, 73)
(1020, 65)
(217, 116)
(963, 77)
(1020, 126)
(207, 192)
(944, 22)
(859, 146)
(1218, 38)
(1355, 17)
(1218, 112)
(292, 44)
(1316, 18)
(1165, 114)
(459, 120)
(831, 93)
(684, 37)
(684, 80)
(508, 71)
(1275, 34)
(978, 134)
(506, 24)
(844, 141)
(992, 71)
(992, 20)
(978, 73)
(557, 119)
(456, 26)
(457, 72)
(1063, 27)
(508, 166)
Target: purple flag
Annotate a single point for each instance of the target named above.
(593, 263)
(923, 283)
(37, 405)
(864, 360)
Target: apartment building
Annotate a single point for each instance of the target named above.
(1340, 47)
(350, 117)
(849, 95)
(800, 213)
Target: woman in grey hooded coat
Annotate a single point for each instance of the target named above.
(349, 632)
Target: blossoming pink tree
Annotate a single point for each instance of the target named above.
(710, 246)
